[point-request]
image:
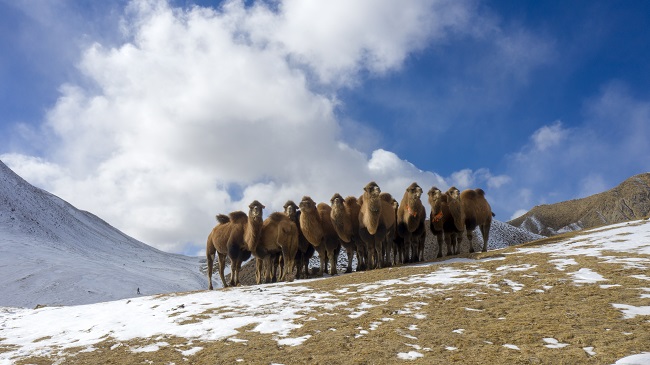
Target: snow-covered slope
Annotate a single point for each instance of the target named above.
(54, 254)
(608, 263)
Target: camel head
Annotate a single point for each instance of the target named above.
(307, 205)
(290, 208)
(337, 201)
(395, 205)
(435, 196)
(414, 191)
(453, 193)
(372, 189)
(255, 211)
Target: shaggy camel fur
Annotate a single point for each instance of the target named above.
(446, 218)
(352, 207)
(376, 223)
(305, 249)
(317, 227)
(279, 237)
(230, 238)
(346, 227)
(477, 212)
(410, 223)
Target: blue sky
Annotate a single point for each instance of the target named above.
(157, 115)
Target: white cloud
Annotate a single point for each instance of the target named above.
(197, 103)
(518, 213)
(549, 136)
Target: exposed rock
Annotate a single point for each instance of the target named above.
(628, 201)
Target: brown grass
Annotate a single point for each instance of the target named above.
(476, 319)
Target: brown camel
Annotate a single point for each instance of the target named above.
(279, 238)
(446, 218)
(399, 250)
(477, 212)
(305, 249)
(344, 227)
(230, 238)
(352, 207)
(410, 223)
(376, 223)
(317, 227)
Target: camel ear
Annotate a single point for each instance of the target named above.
(263, 207)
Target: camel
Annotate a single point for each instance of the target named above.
(231, 238)
(376, 223)
(446, 218)
(305, 249)
(317, 227)
(344, 225)
(279, 238)
(410, 223)
(352, 207)
(399, 250)
(477, 212)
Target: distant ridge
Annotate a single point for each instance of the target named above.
(52, 253)
(628, 201)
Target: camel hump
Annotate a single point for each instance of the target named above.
(277, 217)
(386, 197)
(351, 200)
(222, 218)
(480, 192)
(238, 217)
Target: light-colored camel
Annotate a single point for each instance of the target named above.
(410, 223)
(376, 224)
(478, 213)
(317, 227)
(305, 249)
(446, 219)
(230, 238)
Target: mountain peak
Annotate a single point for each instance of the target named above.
(627, 201)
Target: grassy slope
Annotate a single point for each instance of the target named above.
(424, 317)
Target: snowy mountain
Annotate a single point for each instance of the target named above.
(54, 254)
(582, 298)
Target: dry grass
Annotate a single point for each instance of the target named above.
(465, 324)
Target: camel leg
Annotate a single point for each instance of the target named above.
(322, 255)
(233, 272)
(332, 260)
(210, 258)
(470, 238)
(485, 231)
(450, 246)
(222, 266)
(289, 263)
(350, 253)
(259, 267)
(269, 262)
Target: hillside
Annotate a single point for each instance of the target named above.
(55, 254)
(580, 298)
(629, 200)
(501, 235)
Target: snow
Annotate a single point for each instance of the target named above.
(55, 254)
(638, 359)
(411, 355)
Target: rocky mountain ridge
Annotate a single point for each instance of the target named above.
(628, 201)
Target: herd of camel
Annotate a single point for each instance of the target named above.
(380, 230)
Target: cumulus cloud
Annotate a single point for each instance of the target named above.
(549, 136)
(199, 111)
